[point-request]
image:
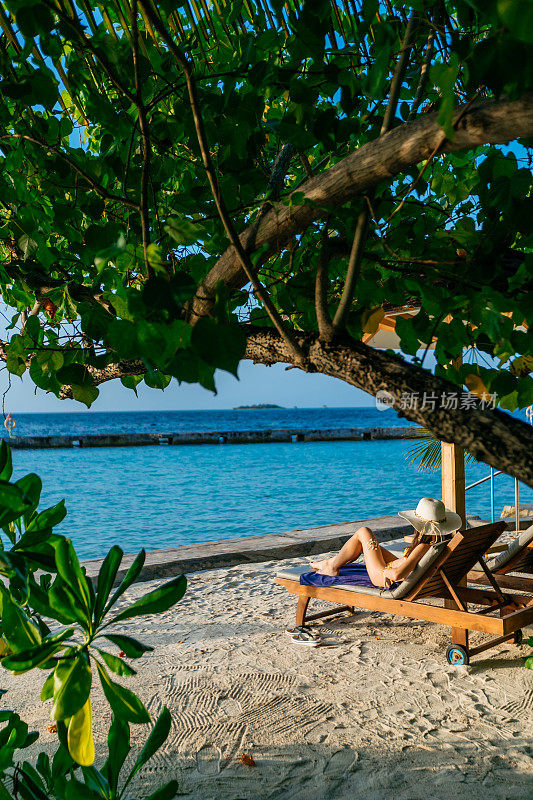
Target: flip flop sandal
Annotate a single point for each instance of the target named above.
(300, 628)
(308, 639)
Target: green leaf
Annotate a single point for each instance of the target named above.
(85, 394)
(47, 692)
(59, 603)
(62, 756)
(6, 466)
(184, 231)
(48, 518)
(118, 744)
(33, 328)
(68, 567)
(166, 792)
(96, 781)
(131, 647)
(25, 660)
(106, 579)
(529, 663)
(157, 601)
(158, 735)
(509, 401)
(31, 486)
(189, 367)
(130, 577)
(131, 381)
(18, 630)
(28, 787)
(15, 364)
(409, 341)
(13, 502)
(156, 379)
(72, 685)
(444, 76)
(30, 784)
(34, 20)
(43, 377)
(155, 258)
(76, 790)
(75, 374)
(124, 703)
(517, 16)
(221, 346)
(31, 540)
(122, 337)
(116, 664)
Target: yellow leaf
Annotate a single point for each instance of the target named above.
(80, 736)
(477, 387)
(522, 366)
(370, 320)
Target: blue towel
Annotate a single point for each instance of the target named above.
(354, 574)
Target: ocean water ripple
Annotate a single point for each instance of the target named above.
(165, 496)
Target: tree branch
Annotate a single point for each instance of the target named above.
(492, 436)
(105, 195)
(494, 122)
(146, 145)
(242, 256)
(361, 228)
(424, 76)
(352, 273)
(325, 328)
(85, 42)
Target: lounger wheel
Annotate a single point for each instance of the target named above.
(457, 655)
(518, 637)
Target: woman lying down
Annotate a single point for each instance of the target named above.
(432, 523)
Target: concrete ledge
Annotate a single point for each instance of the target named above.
(250, 549)
(211, 437)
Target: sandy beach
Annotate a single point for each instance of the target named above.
(375, 711)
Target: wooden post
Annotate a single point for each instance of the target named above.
(453, 469)
(453, 497)
(453, 478)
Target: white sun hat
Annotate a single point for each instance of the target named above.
(432, 518)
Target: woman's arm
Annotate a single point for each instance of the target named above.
(405, 565)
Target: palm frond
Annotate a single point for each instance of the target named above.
(426, 453)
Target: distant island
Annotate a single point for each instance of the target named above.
(258, 405)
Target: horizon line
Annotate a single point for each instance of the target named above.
(208, 410)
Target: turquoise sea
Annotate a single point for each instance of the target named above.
(161, 496)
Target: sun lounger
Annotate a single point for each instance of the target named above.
(441, 574)
(518, 557)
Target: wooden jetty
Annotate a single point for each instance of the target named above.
(210, 437)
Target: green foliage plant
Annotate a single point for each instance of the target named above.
(529, 660)
(54, 619)
(182, 189)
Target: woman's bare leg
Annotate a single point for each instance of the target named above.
(363, 541)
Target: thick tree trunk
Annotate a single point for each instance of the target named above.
(498, 439)
(490, 435)
(379, 160)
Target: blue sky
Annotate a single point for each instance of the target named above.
(256, 384)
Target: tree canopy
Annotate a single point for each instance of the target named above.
(187, 185)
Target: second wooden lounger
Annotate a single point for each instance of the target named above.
(439, 574)
(517, 558)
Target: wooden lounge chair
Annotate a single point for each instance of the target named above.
(441, 573)
(518, 557)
